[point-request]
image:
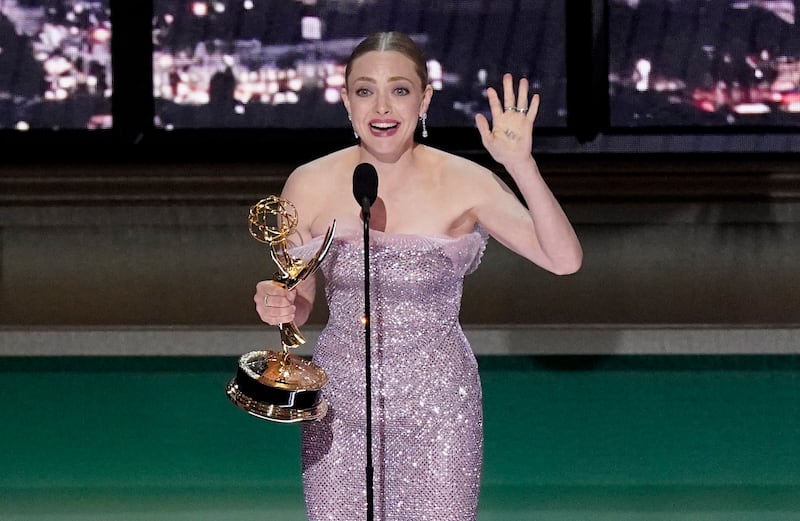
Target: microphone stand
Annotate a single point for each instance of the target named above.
(368, 369)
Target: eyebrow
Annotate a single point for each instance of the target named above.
(372, 80)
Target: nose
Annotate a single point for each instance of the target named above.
(382, 104)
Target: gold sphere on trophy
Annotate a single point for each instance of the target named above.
(278, 385)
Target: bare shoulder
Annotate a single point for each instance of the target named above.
(319, 169)
(461, 174)
(310, 180)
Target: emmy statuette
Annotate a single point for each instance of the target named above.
(277, 385)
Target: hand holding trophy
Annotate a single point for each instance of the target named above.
(277, 385)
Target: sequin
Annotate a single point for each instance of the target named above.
(427, 422)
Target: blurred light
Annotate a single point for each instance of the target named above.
(295, 84)
(100, 121)
(643, 68)
(707, 106)
(332, 95)
(311, 28)
(792, 107)
(165, 61)
(67, 82)
(101, 35)
(199, 97)
(199, 8)
(335, 80)
(751, 108)
(434, 70)
(57, 65)
(248, 4)
(22, 125)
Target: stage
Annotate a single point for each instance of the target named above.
(622, 437)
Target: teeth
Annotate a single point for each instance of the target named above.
(383, 126)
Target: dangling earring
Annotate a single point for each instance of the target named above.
(424, 117)
(350, 118)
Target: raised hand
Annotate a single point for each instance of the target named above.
(509, 140)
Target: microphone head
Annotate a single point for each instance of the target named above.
(365, 184)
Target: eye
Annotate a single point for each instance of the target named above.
(363, 92)
(401, 91)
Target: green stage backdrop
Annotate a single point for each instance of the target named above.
(578, 437)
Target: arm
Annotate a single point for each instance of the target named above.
(274, 303)
(541, 232)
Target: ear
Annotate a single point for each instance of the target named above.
(426, 99)
(345, 100)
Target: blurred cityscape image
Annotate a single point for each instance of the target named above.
(280, 63)
(704, 63)
(55, 64)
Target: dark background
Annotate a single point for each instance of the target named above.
(140, 226)
(569, 53)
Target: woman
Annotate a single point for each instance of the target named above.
(429, 228)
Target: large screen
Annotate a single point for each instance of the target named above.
(280, 63)
(55, 64)
(703, 63)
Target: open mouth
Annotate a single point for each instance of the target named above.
(383, 127)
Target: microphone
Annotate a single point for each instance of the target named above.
(365, 186)
(365, 190)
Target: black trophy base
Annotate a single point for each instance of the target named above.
(278, 387)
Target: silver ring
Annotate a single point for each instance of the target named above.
(507, 109)
(521, 110)
(266, 303)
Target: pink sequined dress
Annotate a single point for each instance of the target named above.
(427, 434)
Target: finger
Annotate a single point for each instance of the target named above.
(483, 126)
(279, 299)
(494, 102)
(272, 287)
(533, 109)
(274, 309)
(275, 316)
(522, 98)
(508, 91)
(272, 296)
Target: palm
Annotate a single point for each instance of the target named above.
(510, 137)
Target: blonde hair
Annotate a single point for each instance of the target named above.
(391, 41)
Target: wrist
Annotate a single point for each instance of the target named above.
(523, 167)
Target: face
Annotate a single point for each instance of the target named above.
(385, 99)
